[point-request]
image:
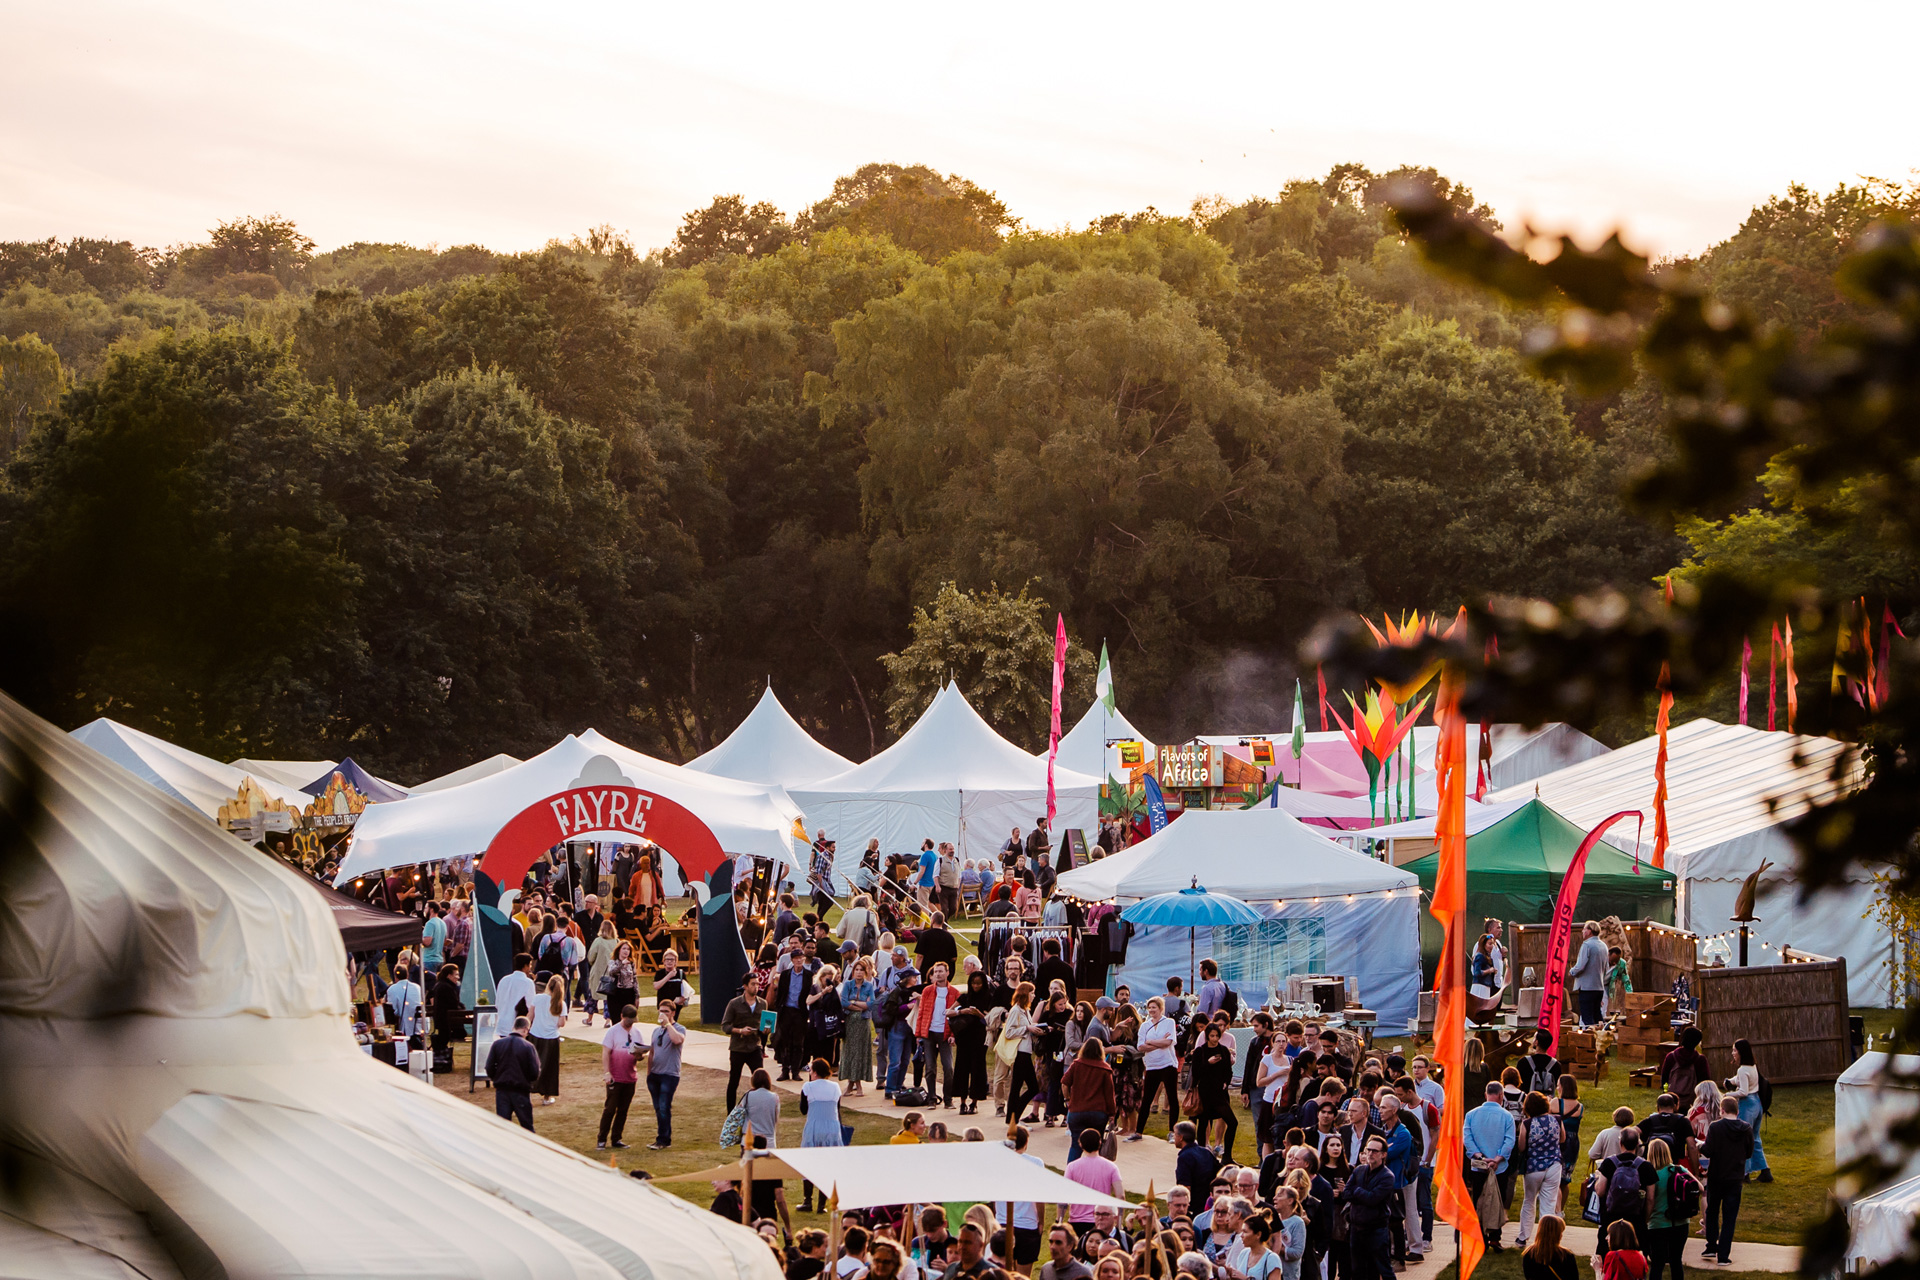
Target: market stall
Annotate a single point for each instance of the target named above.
(1323, 907)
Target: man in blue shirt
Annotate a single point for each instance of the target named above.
(923, 881)
(1488, 1136)
(1589, 975)
(433, 941)
(1213, 992)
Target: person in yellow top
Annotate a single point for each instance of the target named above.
(913, 1130)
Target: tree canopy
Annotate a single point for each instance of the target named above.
(428, 504)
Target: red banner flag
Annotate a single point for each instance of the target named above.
(1450, 1194)
(1793, 681)
(1746, 663)
(1320, 674)
(1560, 942)
(1059, 685)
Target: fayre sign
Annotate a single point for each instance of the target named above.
(1192, 765)
(584, 812)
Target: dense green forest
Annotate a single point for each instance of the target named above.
(423, 505)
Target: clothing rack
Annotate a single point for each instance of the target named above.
(997, 934)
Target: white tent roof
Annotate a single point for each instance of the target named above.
(288, 773)
(1084, 749)
(922, 1174)
(949, 777)
(189, 777)
(747, 818)
(1723, 781)
(770, 746)
(1252, 854)
(1520, 753)
(208, 984)
(1479, 818)
(471, 773)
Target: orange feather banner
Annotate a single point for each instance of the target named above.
(1451, 1198)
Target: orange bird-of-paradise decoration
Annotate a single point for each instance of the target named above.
(1404, 635)
(1377, 729)
(1449, 905)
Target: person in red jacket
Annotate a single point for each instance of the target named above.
(932, 1014)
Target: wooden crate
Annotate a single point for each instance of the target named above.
(1644, 1078)
(1589, 1072)
(1657, 1034)
(1651, 1053)
(1646, 1001)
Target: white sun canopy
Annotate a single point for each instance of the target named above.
(949, 777)
(1324, 908)
(1084, 748)
(189, 777)
(471, 773)
(1730, 791)
(747, 818)
(208, 983)
(769, 746)
(923, 1174)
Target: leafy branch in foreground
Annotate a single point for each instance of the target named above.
(1835, 420)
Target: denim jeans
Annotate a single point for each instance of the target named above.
(882, 1056)
(1426, 1203)
(1751, 1113)
(660, 1088)
(900, 1050)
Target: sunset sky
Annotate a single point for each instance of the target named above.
(507, 125)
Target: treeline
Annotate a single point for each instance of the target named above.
(426, 505)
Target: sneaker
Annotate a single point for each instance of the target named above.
(619, 1146)
(1133, 1137)
(658, 1146)
(1766, 1175)
(599, 1146)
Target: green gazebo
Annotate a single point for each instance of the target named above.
(1514, 870)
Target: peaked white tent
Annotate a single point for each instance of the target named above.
(1730, 791)
(189, 777)
(949, 777)
(208, 984)
(770, 746)
(1327, 909)
(746, 817)
(1520, 754)
(288, 773)
(1084, 748)
(470, 773)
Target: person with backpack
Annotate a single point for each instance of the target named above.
(1625, 1187)
(860, 926)
(1539, 1070)
(1676, 1198)
(1756, 1100)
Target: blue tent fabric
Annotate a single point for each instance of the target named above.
(1375, 938)
(357, 778)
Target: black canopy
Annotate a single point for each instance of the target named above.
(364, 927)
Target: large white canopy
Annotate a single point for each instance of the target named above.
(746, 817)
(288, 773)
(208, 985)
(1730, 791)
(187, 776)
(1323, 907)
(1520, 754)
(1254, 854)
(1084, 748)
(949, 777)
(981, 1172)
(469, 773)
(770, 746)
(1870, 1099)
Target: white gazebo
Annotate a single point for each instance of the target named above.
(949, 777)
(1326, 908)
(769, 746)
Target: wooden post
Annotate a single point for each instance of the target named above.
(1158, 1252)
(746, 1161)
(833, 1232)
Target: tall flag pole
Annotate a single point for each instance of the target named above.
(1053, 732)
(1299, 735)
(1455, 1205)
(1746, 664)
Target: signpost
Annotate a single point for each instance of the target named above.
(486, 1025)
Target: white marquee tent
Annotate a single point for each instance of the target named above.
(949, 777)
(1520, 754)
(297, 774)
(746, 817)
(187, 776)
(769, 746)
(208, 985)
(469, 773)
(1730, 790)
(1878, 1092)
(1327, 909)
(1084, 748)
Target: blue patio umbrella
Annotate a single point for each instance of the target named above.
(1192, 908)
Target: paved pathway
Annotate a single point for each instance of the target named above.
(1746, 1256)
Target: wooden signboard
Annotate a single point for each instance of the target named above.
(1073, 850)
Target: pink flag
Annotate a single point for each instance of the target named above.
(1746, 661)
(1560, 941)
(1059, 684)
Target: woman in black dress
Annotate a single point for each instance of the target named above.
(1213, 1079)
(968, 1027)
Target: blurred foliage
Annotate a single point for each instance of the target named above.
(428, 504)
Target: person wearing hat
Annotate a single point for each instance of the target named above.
(895, 969)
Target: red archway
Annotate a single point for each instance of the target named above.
(601, 811)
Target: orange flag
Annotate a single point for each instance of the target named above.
(1451, 1198)
(1793, 681)
(1660, 833)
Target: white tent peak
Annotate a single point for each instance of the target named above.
(950, 742)
(189, 777)
(770, 746)
(478, 769)
(1083, 748)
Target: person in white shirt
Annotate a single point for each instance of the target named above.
(514, 994)
(1429, 1089)
(1025, 1245)
(1157, 1036)
(404, 995)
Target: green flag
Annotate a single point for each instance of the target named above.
(1299, 721)
(1103, 681)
